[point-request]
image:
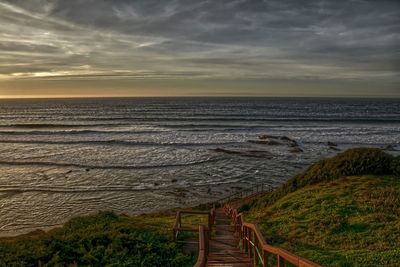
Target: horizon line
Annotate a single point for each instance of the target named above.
(12, 97)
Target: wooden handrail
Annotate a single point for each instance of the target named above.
(204, 232)
(204, 242)
(177, 225)
(254, 244)
(257, 231)
(178, 221)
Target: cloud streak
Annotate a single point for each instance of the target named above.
(187, 39)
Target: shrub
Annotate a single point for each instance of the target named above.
(356, 161)
(244, 207)
(105, 239)
(395, 166)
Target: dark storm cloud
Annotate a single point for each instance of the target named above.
(209, 39)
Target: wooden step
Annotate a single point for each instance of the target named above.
(228, 241)
(225, 239)
(229, 262)
(224, 222)
(229, 235)
(225, 227)
(228, 258)
(229, 265)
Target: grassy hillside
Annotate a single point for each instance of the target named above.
(356, 161)
(98, 240)
(342, 211)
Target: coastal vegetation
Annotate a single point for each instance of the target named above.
(104, 239)
(343, 211)
(356, 161)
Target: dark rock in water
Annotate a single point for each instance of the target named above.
(272, 140)
(332, 144)
(267, 136)
(334, 148)
(390, 148)
(259, 154)
(289, 141)
(296, 150)
(156, 184)
(225, 151)
(285, 138)
(266, 142)
(258, 151)
(87, 169)
(174, 180)
(294, 144)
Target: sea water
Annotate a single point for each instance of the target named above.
(67, 157)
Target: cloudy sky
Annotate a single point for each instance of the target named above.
(195, 47)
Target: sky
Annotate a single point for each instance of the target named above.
(80, 48)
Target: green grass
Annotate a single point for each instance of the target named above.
(356, 161)
(335, 213)
(104, 239)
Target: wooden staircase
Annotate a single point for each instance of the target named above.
(228, 240)
(223, 250)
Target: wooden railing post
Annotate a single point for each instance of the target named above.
(248, 238)
(209, 221)
(177, 225)
(254, 238)
(245, 239)
(249, 241)
(206, 241)
(255, 256)
(281, 261)
(240, 233)
(201, 258)
(265, 258)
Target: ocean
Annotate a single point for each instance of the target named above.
(67, 157)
